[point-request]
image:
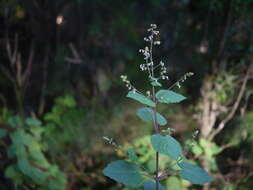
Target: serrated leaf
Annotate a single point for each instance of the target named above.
(156, 83)
(124, 172)
(3, 133)
(168, 96)
(140, 98)
(193, 173)
(131, 154)
(146, 114)
(151, 185)
(166, 145)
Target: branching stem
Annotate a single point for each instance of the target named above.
(156, 128)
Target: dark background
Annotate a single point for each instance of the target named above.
(61, 63)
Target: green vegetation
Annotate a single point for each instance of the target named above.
(130, 173)
(60, 93)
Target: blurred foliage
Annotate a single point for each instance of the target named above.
(30, 167)
(83, 101)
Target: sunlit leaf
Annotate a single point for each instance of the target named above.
(193, 173)
(67, 100)
(168, 96)
(151, 185)
(124, 172)
(173, 183)
(140, 98)
(146, 114)
(166, 145)
(196, 149)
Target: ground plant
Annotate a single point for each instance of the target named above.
(131, 172)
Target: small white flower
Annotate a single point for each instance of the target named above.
(178, 85)
(155, 32)
(146, 39)
(153, 26)
(157, 42)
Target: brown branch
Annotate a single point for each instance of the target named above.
(244, 107)
(235, 106)
(28, 69)
(7, 73)
(44, 83)
(76, 57)
(226, 29)
(217, 62)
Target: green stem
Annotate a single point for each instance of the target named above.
(156, 128)
(157, 171)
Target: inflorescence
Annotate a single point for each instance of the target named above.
(149, 65)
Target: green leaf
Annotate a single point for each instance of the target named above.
(146, 114)
(14, 121)
(174, 183)
(24, 166)
(32, 122)
(140, 98)
(166, 145)
(168, 96)
(151, 185)
(156, 83)
(193, 173)
(131, 154)
(124, 172)
(13, 173)
(20, 137)
(67, 100)
(209, 148)
(3, 133)
(196, 149)
(34, 173)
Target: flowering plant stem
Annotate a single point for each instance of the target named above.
(155, 124)
(130, 172)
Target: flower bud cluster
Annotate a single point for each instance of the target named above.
(153, 33)
(111, 142)
(163, 71)
(145, 52)
(127, 82)
(183, 78)
(148, 93)
(145, 67)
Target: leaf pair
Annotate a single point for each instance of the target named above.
(129, 174)
(171, 147)
(163, 96)
(147, 114)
